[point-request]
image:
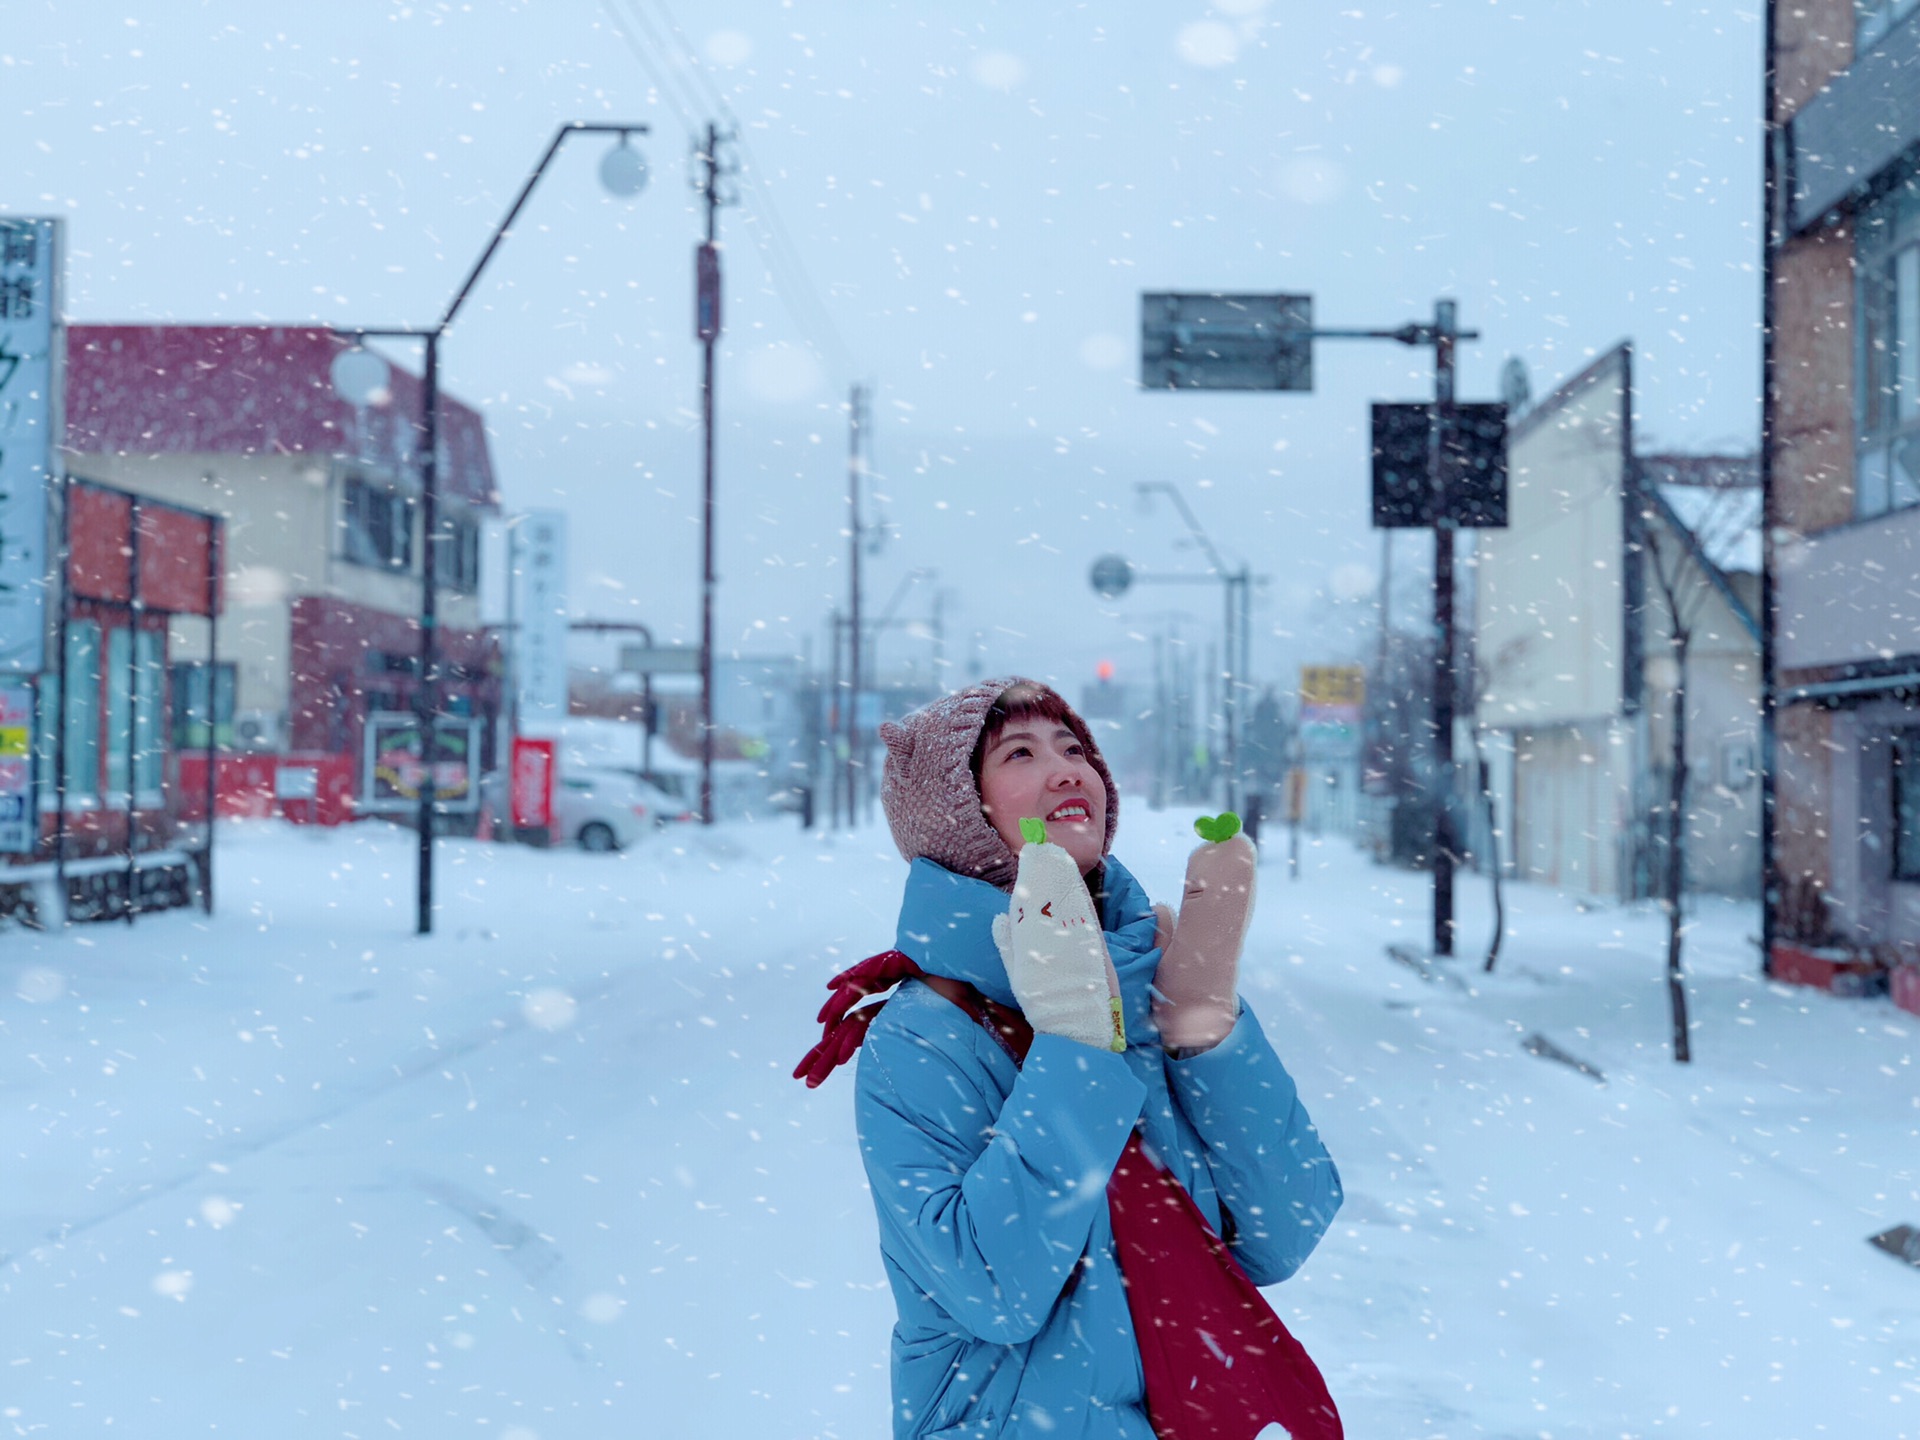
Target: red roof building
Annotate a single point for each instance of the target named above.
(321, 560)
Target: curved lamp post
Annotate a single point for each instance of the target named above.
(1112, 575)
(357, 372)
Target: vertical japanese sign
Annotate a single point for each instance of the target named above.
(17, 811)
(29, 301)
(541, 644)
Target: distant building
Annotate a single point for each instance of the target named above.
(1575, 682)
(322, 552)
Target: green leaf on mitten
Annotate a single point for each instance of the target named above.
(1034, 832)
(1215, 828)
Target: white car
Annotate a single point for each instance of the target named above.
(601, 810)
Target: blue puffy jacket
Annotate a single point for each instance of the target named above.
(990, 1179)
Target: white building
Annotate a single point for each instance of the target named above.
(1575, 678)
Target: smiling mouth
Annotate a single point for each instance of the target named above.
(1073, 810)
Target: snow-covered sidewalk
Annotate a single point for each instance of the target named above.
(294, 1171)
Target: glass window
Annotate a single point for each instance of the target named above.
(149, 721)
(378, 522)
(1906, 805)
(460, 556)
(1903, 475)
(1887, 445)
(1870, 493)
(1872, 19)
(143, 728)
(82, 710)
(190, 705)
(119, 733)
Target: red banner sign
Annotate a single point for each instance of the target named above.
(531, 783)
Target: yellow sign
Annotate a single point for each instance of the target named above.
(15, 742)
(1333, 685)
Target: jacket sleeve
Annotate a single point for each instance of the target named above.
(989, 1214)
(1276, 1181)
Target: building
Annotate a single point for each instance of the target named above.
(321, 553)
(1842, 477)
(1575, 677)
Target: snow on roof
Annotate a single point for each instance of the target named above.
(1725, 520)
(251, 390)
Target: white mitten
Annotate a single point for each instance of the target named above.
(1055, 955)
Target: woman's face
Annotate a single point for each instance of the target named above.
(1038, 767)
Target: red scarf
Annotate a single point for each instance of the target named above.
(1219, 1364)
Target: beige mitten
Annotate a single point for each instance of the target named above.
(1055, 955)
(1194, 991)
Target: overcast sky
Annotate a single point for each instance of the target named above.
(969, 201)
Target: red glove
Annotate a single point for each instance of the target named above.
(841, 1032)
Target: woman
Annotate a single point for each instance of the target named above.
(990, 1170)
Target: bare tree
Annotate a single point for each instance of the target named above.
(1485, 679)
(1683, 578)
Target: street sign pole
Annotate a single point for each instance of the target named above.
(1218, 341)
(1443, 678)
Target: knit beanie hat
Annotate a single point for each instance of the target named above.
(929, 793)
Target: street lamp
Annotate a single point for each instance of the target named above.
(357, 373)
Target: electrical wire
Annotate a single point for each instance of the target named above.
(669, 93)
(778, 252)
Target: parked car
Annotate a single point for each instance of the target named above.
(602, 810)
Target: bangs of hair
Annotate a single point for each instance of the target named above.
(1019, 702)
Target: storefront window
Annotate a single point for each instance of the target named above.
(82, 710)
(143, 728)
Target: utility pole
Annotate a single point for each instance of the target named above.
(426, 693)
(1216, 341)
(707, 174)
(1231, 671)
(835, 770)
(856, 425)
(1444, 333)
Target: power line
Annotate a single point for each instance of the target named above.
(658, 79)
(778, 252)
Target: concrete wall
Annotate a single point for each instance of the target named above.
(1548, 611)
(1571, 793)
(1849, 593)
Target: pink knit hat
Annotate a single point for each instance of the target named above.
(929, 793)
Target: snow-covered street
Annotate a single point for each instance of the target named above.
(295, 1172)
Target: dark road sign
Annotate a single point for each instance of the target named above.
(1473, 488)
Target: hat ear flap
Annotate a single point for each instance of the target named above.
(899, 742)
